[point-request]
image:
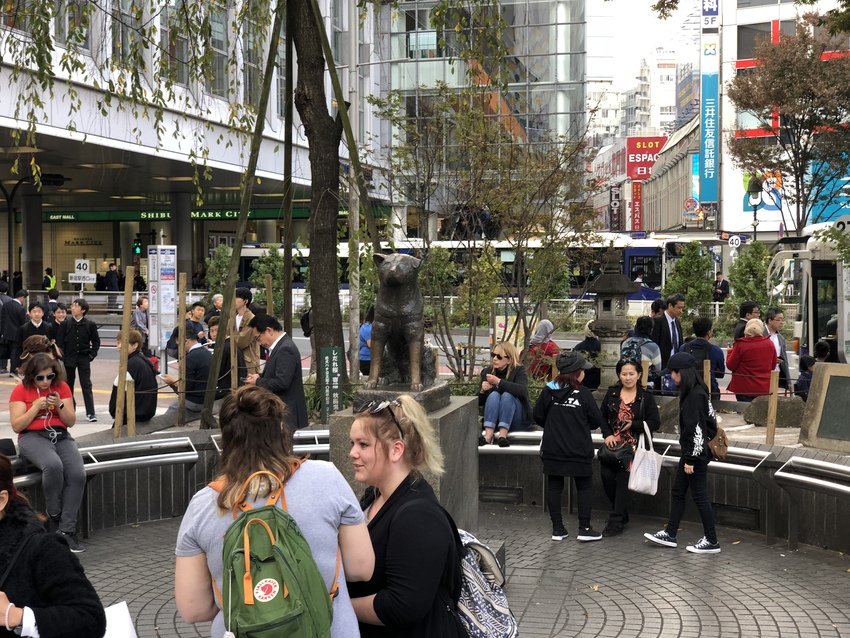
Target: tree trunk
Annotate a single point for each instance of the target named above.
(324, 135)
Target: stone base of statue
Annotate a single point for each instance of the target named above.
(456, 425)
(432, 398)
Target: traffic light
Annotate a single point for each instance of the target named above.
(137, 246)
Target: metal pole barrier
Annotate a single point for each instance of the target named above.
(773, 400)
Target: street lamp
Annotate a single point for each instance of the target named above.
(754, 190)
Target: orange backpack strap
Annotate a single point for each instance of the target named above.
(335, 586)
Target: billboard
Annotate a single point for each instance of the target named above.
(615, 206)
(637, 206)
(641, 154)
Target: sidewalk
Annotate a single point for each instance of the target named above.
(617, 587)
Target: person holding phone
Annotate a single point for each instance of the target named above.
(504, 395)
(42, 411)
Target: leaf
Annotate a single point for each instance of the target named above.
(736, 542)
(596, 587)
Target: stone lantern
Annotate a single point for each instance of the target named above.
(611, 323)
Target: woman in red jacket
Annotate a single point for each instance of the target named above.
(751, 360)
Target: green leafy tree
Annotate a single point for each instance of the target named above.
(748, 275)
(217, 267)
(481, 284)
(692, 276)
(271, 263)
(809, 89)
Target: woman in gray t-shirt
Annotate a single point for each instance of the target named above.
(255, 436)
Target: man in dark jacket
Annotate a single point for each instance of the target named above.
(224, 382)
(13, 315)
(282, 373)
(5, 350)
(198, 362)
(667, 329)
(79, 340)
(701, 349)
(747, 310)
(144, 379)
(35, 326)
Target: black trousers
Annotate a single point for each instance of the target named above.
(554, 491)
(615, 481)
(84, 369)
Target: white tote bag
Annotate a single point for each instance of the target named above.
(646, 466)
(119, 621)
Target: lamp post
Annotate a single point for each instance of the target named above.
(754, 190)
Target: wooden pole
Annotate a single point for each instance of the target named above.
(706, 374)
(181, 348)
(645, 378)
(124, 350)
(234, 357)
(772, 405)
(269, 296)
(131, 407)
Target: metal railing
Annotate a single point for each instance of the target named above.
(306, 442)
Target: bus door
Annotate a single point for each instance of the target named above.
(821, 317)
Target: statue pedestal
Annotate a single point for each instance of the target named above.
(431, 398)
(456, 427)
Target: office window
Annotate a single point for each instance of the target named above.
(747, 36)
(252, 57)
(126, 22)
(217, 82)
(73, 20)
(281, 73)
(175, 45)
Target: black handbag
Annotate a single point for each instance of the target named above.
(620, 457)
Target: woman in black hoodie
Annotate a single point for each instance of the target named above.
(697, 426)
(567, 412)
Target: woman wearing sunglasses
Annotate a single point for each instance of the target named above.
(42, 410)
(504, 395)
(416, 584)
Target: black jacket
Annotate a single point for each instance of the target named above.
(644, 406)
(48, 579)
(146, 388)
(661, 335)
(223, 385)
(417, 574)
(516, 384)
(12, 316)
(198, 362)
(79, 341)
(567, 416)
(29, 329)
(697, 425)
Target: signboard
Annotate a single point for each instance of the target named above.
(614, 205)
(709, 103)
(162, 292)
(642, 153)
(637, 206)
(710, 15)
(82, 273)
(825, 423)
(331, 361)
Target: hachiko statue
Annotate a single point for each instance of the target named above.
(398, 323)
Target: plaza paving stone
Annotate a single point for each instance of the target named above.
(617, 587)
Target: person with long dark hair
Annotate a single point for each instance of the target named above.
(625, 408)
(42, 411)
(697, 426)
(416, 585)
(255, 435)
(46, 592)
(567, 412)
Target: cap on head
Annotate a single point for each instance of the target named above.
(679, 361)
(570, 362)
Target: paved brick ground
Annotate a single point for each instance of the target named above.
(615, 587)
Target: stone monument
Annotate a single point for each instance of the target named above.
(611, 323)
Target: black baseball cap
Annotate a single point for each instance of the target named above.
(680, 361)
(570, 362)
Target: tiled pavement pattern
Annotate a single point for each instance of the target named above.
(618, 587)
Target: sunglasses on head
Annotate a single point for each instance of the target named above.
(376, 407)
(497, 357)
(42, 377)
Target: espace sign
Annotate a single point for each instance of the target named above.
(641, 154)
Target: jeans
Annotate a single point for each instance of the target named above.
(698, 484)
(84, 368)
(63, 476)
(554, 490)
(191, 406)
(503, 410)
(615, 481)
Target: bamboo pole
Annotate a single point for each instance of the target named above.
(124, 352)
(269, 296)
(234, 357)
(772, 405)
(131, 407)
(181, 348)
(706, 374)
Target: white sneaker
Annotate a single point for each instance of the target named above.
(662, 538)
(702, 546)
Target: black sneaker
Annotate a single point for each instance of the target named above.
(702, 546)
(482, 441)
(92, 418)
(662, 538)
(612, 529)
(76, 546)
(503, 442)
(586, 534)
(559, 533)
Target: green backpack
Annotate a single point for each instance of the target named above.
(280, 592)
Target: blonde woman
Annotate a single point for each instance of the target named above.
(414, 590)
(504, 395)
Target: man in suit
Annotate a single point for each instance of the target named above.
(667, 329)
(748, 310)
(282, 373)
(80, 341)
(198, 362)
(13, 315)
(35, 326)
(721, 288)
(5, 348)
(775, 321)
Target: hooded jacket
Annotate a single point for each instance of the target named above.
(697, 425)
(567, 416)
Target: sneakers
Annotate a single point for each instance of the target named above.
(702, 546)
(613, 528)
(76, 546)
(503, 442)
(662, 538)
(92, 418)
(559, 533)
(586, 534)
